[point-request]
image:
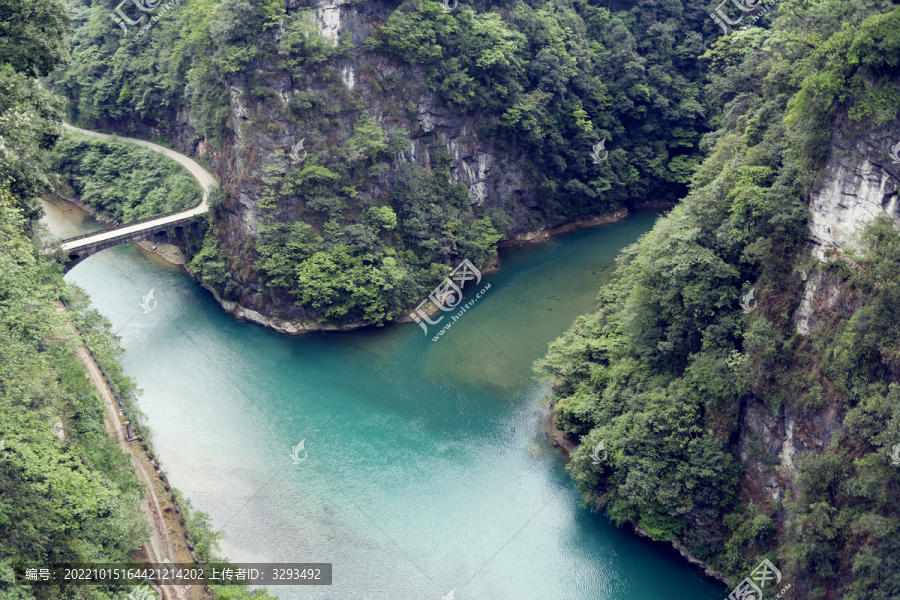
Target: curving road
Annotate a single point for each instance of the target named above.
(202, 176)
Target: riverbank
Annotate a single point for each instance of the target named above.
(169, 536)
(543, 235)
(97, 215)
(171, 254)
(560, 439)
(290, 327)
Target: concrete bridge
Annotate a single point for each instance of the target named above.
(173, 228)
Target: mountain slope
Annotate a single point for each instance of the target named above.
(762, 432)
(471, 126)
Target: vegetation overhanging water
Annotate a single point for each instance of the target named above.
(428, 467)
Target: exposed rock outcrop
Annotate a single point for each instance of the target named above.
(860, 182)
(263, 130)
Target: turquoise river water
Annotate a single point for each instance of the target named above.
(427, 464)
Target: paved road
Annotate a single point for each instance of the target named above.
(200, 174)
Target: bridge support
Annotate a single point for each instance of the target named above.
(186, 233)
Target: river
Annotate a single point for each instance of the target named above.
(426, 467)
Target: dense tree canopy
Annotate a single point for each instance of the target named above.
(660, 372)
(123, 180)
(33, 35)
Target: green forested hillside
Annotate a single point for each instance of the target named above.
(71, 499)
(123, 180)
(549, 80)
(661, 370)
(557, 78)
(67, 492)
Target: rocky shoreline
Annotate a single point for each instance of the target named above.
(169, 253)
(544, 235)
(278, 325)
(290, 327)
(98, 216)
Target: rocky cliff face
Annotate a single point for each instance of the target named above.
(491, 175)
(382, 87)
(859, 182)
(393, 92)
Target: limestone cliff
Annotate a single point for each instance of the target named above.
(858, 183)
(394, 93)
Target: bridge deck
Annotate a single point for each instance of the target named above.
(202, 176)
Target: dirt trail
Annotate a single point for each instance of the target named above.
(159, 548)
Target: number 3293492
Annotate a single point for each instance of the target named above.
(297, 574)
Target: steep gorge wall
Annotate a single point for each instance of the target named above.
(259, 137)
(859, 182)
(493, 176)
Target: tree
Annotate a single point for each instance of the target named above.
(33, 34)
